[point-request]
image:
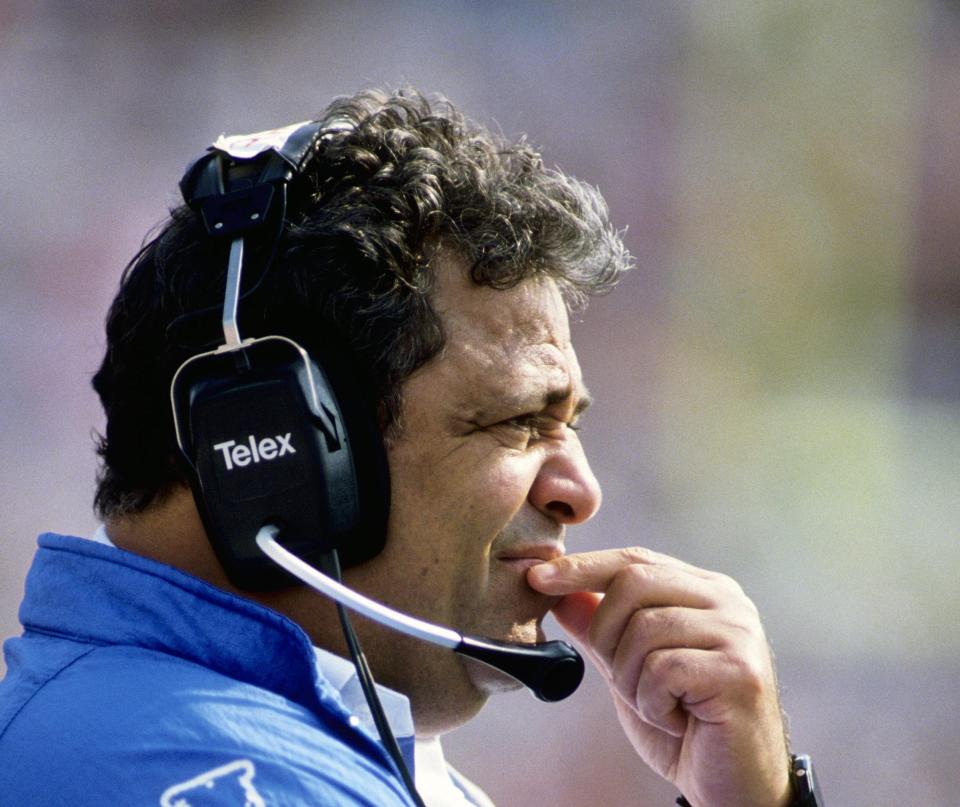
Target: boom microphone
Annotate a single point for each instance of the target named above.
(551, 670)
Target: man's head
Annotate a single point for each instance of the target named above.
(398, 182)
(437, 261)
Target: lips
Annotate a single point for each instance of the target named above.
(525, 606)
(521, 564)
(523, 557)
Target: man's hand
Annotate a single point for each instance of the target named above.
(686, 660)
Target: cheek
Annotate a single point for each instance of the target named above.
(486, 497)
(509, 482)
(445, 514)
(474, 482)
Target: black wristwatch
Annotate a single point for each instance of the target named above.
(804, 784)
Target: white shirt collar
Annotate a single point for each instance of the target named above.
(342, 676)
(430, 769)
(101, 537)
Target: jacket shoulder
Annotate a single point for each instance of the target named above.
(131, 725)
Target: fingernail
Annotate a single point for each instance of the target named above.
(545, 572)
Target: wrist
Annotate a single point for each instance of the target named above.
(803, 785)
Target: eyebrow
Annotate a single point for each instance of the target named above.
(552, 397)
(558, 396)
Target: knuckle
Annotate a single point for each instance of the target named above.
(753, 676)
(731, 585)
(637, 554)
(655, 623)
(568, 564)
(646, 709)
(745, 616)
(644, 622)
(663, 666)
(642, 630)
(632, 576)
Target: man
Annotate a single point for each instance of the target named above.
(432, 263)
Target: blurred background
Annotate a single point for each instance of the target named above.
(777, 384)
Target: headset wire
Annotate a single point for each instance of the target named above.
(368, 685)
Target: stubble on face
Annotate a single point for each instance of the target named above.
(461, 483)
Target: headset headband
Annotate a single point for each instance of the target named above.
(265, 435)
(233, 185)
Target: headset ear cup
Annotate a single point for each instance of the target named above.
(268, 442)
(361, 421)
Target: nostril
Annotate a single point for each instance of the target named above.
(561, 509)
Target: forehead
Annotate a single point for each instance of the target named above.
(509, 343)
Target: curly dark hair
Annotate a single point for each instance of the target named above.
(397, 182)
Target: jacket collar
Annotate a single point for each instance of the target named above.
(99, 594)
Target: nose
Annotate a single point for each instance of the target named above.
(565, 488)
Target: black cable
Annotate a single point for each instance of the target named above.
(368, 685)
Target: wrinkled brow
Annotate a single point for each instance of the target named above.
(558, 396)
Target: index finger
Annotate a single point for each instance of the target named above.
(594, 571)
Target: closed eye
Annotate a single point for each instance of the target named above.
(531, 422)
(537, 426)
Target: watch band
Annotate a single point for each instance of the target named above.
(802, 781)
(805, 790)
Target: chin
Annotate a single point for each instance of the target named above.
(489, 680)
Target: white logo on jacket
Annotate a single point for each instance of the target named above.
(212, 786)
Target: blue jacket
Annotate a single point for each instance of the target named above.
(136, 684)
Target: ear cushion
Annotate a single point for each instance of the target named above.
(361, 421)
(265, 441)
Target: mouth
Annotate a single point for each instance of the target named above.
(522, 558)
(521, 564)
(524, 606)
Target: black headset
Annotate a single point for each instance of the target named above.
(262, 431)
(289, 470)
